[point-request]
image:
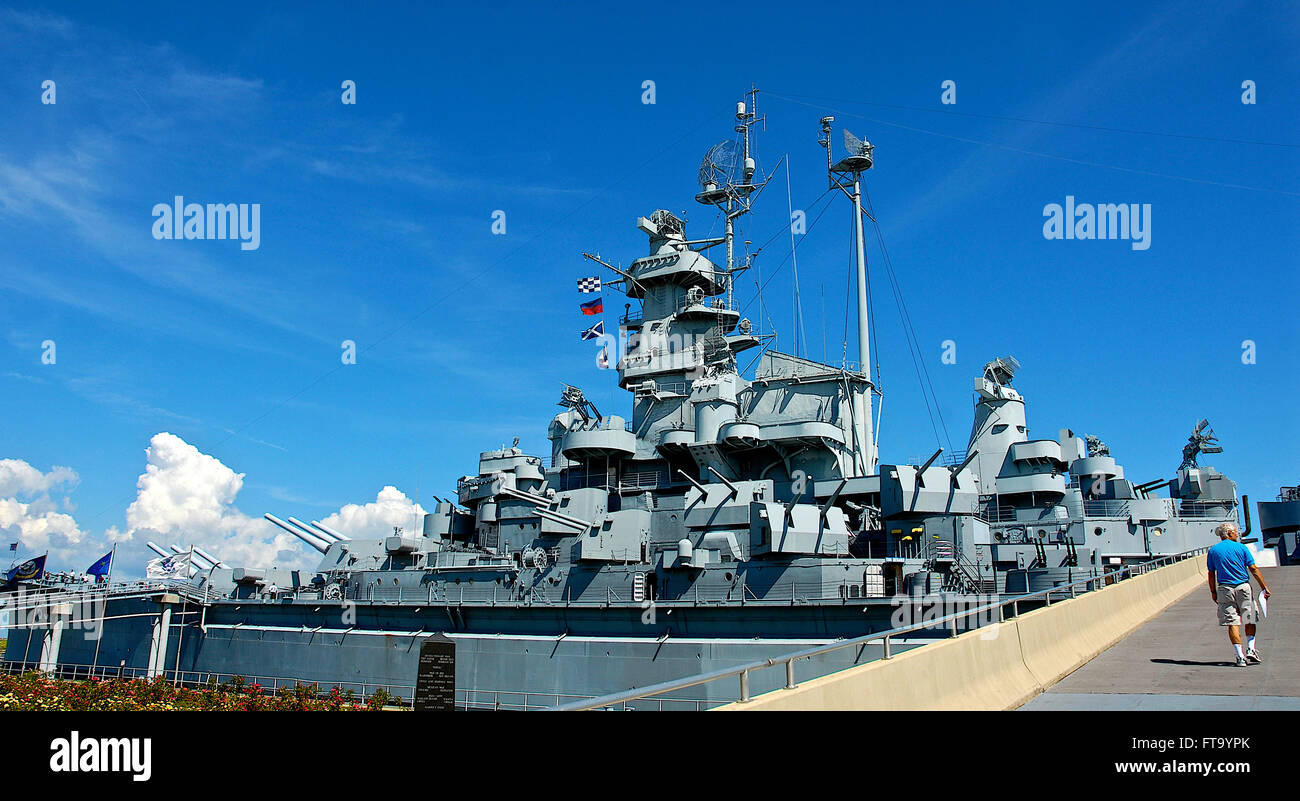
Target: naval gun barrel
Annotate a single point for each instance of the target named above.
(970, 457)
(1148, 486)
(153, 546)
(697, 484)
(324, 529)
(929, 462)
(214, 560)
(322, 535)
(835, 496)
(735, 492)
(956, 471)
(319, 544)
(199, 560)
(920, 471)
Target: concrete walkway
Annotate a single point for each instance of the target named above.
(1183, 660)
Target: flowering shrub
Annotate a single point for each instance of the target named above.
(36, 691)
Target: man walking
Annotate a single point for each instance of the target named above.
(1231, 565)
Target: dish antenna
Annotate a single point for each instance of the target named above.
(717, 171)
(859, 158)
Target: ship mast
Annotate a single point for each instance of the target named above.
(732, 194)
(846, 175)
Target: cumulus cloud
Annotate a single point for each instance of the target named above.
(28, 513)
(19, 478)
(189, 497)
(390, 508)
(39, 528)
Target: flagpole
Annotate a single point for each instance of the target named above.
(111, 560)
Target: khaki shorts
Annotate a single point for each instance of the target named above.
(1236, 605)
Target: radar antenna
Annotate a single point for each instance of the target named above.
(1201, 441)
(726, 178)
(718, 169)
(1095, 446)
(572, 398)
(1000, 371)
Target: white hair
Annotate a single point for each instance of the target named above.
(1223, 529)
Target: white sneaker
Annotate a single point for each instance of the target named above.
(1252, 657)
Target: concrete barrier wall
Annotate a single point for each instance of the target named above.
(996, 667)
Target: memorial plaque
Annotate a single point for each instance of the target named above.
(435, 681)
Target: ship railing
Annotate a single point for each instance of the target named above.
(946, 460)
(644, 480)
(523, 701)
(995, 612)
(1106, 508)
(55, 594)
(994, 513)
(796, 592)
(1226, 509)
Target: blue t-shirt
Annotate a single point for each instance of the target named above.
(1229, 560)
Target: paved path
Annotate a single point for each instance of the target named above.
(1183, 660)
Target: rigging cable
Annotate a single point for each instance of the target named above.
(800, 328)
(787, 256)
(1041, 154)
(909, 331)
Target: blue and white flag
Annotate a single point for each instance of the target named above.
(597, 330)
(176, 566)
(589, 285)
(102, 567)
(13, 546)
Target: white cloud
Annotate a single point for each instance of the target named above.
(19, 478)
(39, 528)
(390, 508)
(30, 517)
(188, 497)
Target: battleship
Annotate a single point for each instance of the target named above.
(725, 519)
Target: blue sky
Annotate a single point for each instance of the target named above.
(376, 228)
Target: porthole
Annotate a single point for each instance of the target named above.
(1097, 531)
